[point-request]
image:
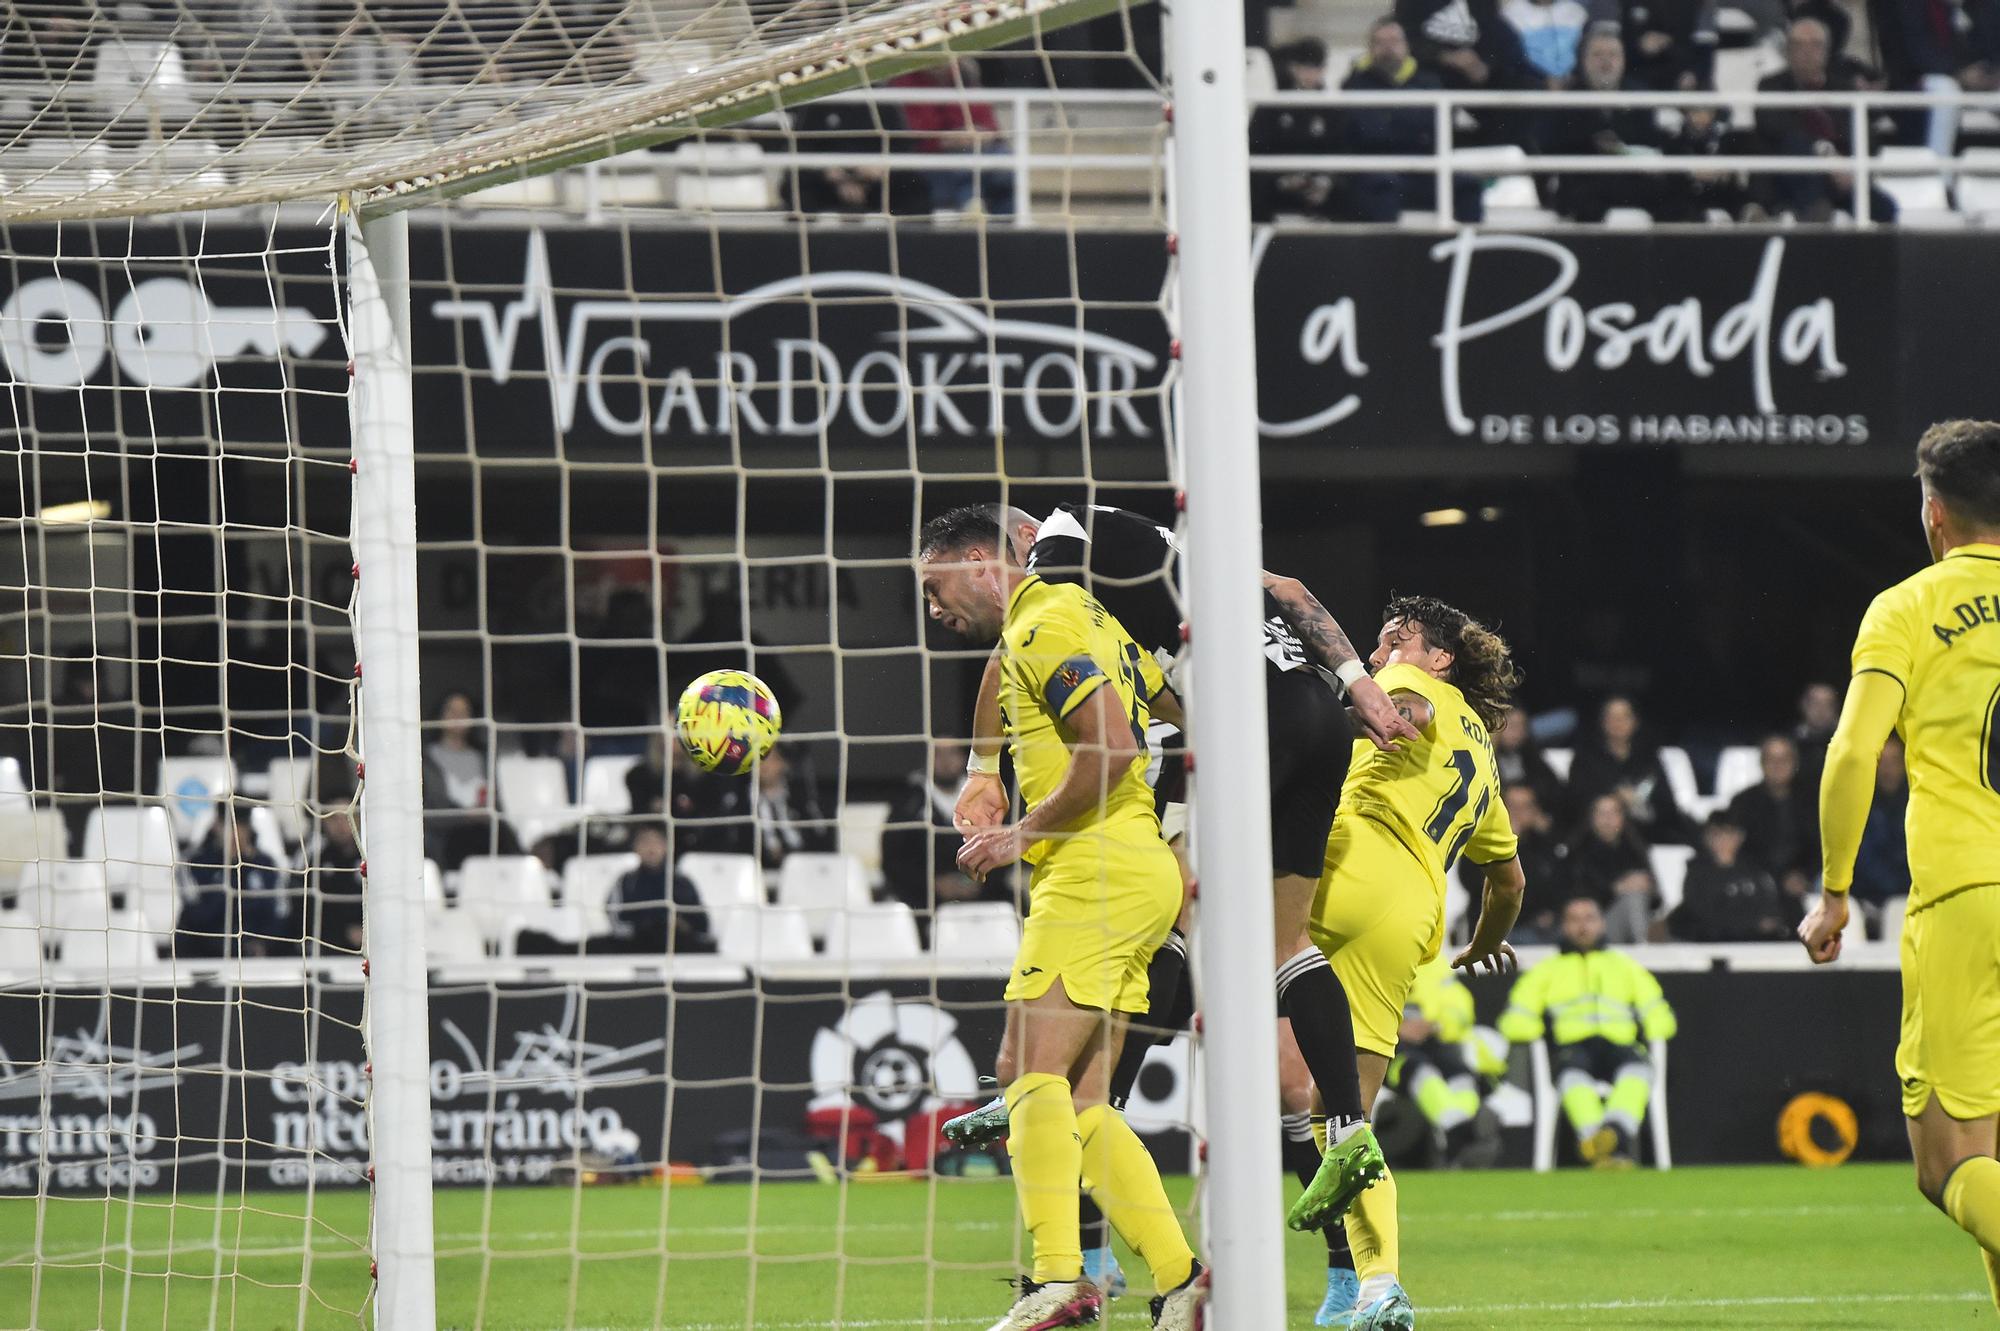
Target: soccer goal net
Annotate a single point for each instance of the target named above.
(355, 569)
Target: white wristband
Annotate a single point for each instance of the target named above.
(1348, 672)
(975, 765)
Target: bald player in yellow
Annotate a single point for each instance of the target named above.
(1927, 664)
(1406, 816)
(1105, 890)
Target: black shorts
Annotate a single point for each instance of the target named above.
(1311, 743)
(1599, 1057)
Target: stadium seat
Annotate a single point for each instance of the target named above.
(723, 881)
(604, 789)
(194, 790)
(1738, 71)
(534, 795)
(822, 885)
(136, 847)
(1670, 870)
(269, 836)
(495, 891)
(28, 835)
(14, 797)
(587, 882)
(1628, 219)
(450, 935)
(1893, 911)
(288, 786)
(721, 177)
(754, 934)
(861, 828)
(121, 945)
(1680, 779)
(983, 931)
(1559, 761)
(1260, 76)
(1920, 193)
(1548, 1107)
(20, 950)
(1738, 769)
(887, 932)
(1979, 185)
(433, 885)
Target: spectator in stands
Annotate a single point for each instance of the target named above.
(1472, 49)
(1542, 854)
(1817, 131)
(710, 813)
(852, 128)
(920, 847)
(788, 811)
(1819, 713)
(959, 124)
(1938, 46)
(1780, 817)
(654, 908)
(457, 820)
(1669, 44)
(1295, 131)
(1518, 760)
(1703, 133)
(1728, 899)
(1596, 1006)
(1587, 131)
(335, 884)
(1388, 66)
(1433, 1067)
(1551, 32)
(646, 780)
(1608, 863)
(1882, 868)
(239, 906)
(1619, 760)
(1839, 23)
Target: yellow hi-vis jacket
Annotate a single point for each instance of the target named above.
(1599, 994)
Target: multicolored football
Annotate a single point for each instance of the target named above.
(728, 719)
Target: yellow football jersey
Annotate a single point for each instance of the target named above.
(1929, 633)
(1059, 646)
(1440, 794)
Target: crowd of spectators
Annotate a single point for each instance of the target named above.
(1634, 46)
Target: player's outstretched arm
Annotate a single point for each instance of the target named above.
(982, 800)
(1101, 747)
(1489, 951)
(1846, 788)
(1329, 645)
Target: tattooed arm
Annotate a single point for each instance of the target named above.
(1329, 646)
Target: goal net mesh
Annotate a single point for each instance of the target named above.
(676, 409)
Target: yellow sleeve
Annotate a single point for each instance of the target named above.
(1656, 1018)
(1884, 642)
(1847, 782)
(1493, 841)
(1054, 662)
(1522, 1021)
(1402, 678)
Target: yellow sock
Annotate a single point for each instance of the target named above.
(1372, 1232)
(1047, 1152)
(1992, 1275)
(1972, 1200)
(1125, 1183)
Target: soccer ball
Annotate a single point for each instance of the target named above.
(727, 720)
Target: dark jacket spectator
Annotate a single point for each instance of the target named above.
(1670, 44)
(1728, 899)
(1703, 133)
(646, 780)
(1608, 863)
(1383, 197)
(1293, 131)
(335, 885)
(1819, 713)
(1543, 864)
(1882, 868)
(1618, 760)
(654, 908)
(852, 128)
(1954, 39)
(1813, 131)
(965, 123)
(240, 906)
(1592, 131)
(1472, 49)
(920, 846)
(1839, 23)
(789, 816)
(1518, 760)
(1779, 815)
(458, 818)
(769, 814)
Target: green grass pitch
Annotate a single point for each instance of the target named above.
(1734, 1247)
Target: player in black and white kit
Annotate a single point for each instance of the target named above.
(1129, 563)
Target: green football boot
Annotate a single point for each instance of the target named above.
(1347, 1170)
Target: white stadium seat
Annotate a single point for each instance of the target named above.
(136, 847)
(496, 891)
(1979, 185)
(887, 932)
(976, 931)
(1680, 779)
(755, 934)
(451, 935)
(534, 795)
(288, 786)
(1670, 869)
(20, 950)
(14, 797)
(588, 880)
(194, 790)
(604, 788)
(1559, 761)
(29, 835)
(1548, 1107)
(122, 945)
(1739, 768)
(861, 828)
(1921, 196)
(723, 881)
(822, 885)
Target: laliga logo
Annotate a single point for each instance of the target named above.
(894, 1058)
(164, 333)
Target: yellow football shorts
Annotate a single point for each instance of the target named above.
(1099, 906)
(1951, 1005)
(1377, 916)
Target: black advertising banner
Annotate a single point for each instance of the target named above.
(867, 347)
